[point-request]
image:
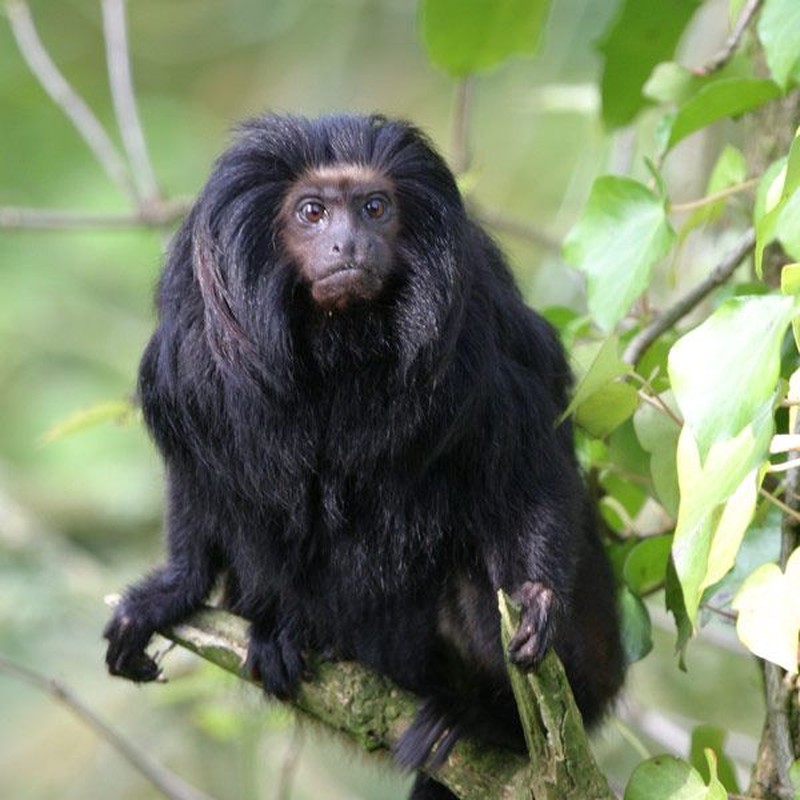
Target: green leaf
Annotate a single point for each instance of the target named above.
(635, 625)
(790, 285)
(790, 279)
(625, 452)
(607, 409)
(666, 778)
(673, 600)
(620, 236)
(600, 405)
(672, 83)
(120, 411)
(730, 170)
(779, 31)
(715, 510)
(780, 182)
(769, 613)
(724, 371)
(707, 737)
(726, 97)
(716, 791)
(794, 777)
(466, 36)
(643, 33)
(761, 545)
(658, 435)
(724, 374)
(596, 364)
(646, 565)
(630, 495)
(787, 228)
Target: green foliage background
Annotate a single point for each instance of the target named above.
(80, 514)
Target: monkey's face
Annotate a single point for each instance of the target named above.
(339, 226)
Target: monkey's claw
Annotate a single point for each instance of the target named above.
(536, 625)
(126, 656)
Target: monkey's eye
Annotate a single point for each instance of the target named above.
(312, 212)
(375, 207)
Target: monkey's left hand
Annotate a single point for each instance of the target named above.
(537, 625)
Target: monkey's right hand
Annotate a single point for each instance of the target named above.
(538, 621)
(128, 635)
(275, 660)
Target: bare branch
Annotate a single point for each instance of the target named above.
(462, 156)
(65, 97)
(639, 344)
(122, 94)
(732, 42)
(159, 215)
(521, 230)
(166, 782)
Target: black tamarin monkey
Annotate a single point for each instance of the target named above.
(358, 417)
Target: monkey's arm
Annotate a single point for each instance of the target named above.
(537, 569)
(172, 591)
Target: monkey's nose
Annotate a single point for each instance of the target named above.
(346, 248)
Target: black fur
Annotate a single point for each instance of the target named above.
(368, 479)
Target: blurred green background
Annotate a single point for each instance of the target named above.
(80, 516)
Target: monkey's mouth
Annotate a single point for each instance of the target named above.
(338, 287)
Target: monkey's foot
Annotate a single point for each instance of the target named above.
(276, 661)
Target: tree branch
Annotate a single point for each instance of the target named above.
(732, 42)
(65, 97)
(157, 215)
(166, 782)
(124, 99)
(371, 712)
(462, 155)
(639, 344)
(499, 222)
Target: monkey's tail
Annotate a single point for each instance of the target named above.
(428, 740)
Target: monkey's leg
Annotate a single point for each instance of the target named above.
(275, 654)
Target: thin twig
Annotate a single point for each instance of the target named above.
(733, 41)
(784, 466)
(462, 113)
(639, 344)
(160, 215)
(166, 782)
(730, 616)
(779, 504)
(65, 97)
(656, 401)
(520, 230)
(122, 94)
(691, 205)
(291, 759)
